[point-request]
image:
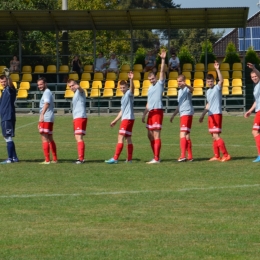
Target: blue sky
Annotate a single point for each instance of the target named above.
(253, 8)
(252, 4)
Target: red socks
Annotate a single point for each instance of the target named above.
(222, 147)
(81, 150)
(216, 149)
(257, 141)
(189, 149)
(157, 149)
(183, 145)
(119, 148)
(130, 149)
(46, 151)
(53, 150)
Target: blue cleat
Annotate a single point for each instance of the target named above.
(7, 161)
(15, 160)
(111, 161)
(257, 159)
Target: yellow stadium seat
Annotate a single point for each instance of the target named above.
(237, 74)
(224, 66)
(2, 67)
(119, 93)
(237, 66)
(187, 81)
(211, 66)
(165, 67)
(146, 83)
(108, 92)
(51, 69)
(111, 76)
(225, 91)
(200, 67)
(137, 75)
(187, 67)
(187, 74)
(137, 92)
(236, 83)
(109, 84)
(68, 93)
(84, 84)
(39, 69)
(226, 83)
(144, 92)
(198, 83)
(172, 92)
(236, 91)
(86, 92)
(95, 92)
(27, 77)
(123, 76)
(225, 74)
(172, 83)
(198, 75)
(26, 69)
(197, 92)
(173, 75)
(158, 75)
(25, 85)
(98, 76)
(96, 84)
(22, 93)
(146, 75)
(125, 68)
(86, 76)
(15, 84)
(138, 67)
(88, 68)
(213, 72)
(136, 83)
(74, 76)
(64, 69)
(15, 77)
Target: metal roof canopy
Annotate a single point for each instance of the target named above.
(134, 19)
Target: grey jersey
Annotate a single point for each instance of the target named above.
(185, 102)
(79, 105)
(257, 96)
(214, 98)
(155, 95)
(47, 98)
(127, 104)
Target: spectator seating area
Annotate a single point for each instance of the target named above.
(105, 92)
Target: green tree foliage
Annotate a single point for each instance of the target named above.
(252, 57)
(207, 49)
(185, 56)
(192, 38)
(231, 54)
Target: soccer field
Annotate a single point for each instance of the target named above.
(171, 210)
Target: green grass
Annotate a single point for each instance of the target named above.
(198, 210)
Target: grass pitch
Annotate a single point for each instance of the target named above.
(192, 210)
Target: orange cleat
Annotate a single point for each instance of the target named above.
(226, 158)
(214, 159)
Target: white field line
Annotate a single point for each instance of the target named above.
(129, 192)
(22, 126)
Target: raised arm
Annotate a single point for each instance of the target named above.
(252, 67)
(220, 78)
(163, 56)
(131, 78)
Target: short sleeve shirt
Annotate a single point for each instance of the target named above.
(151, 61)
(113, 63)
(155, 95)
(214, 98)
(257, 96)
(47, 98)
(174, 62)
(127, 104)
(185, 102)
(99, 62)
(79, 105)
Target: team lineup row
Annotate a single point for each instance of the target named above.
(154, 110)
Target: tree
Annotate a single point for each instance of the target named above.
(185, 56)
(252, 57)
(231, 55)
(207, 48)
(192, 39)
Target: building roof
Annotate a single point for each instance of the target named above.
(135, 19)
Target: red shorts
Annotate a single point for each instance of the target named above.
(215, 123)
(80, 125)
(45, 128)
(185, 123)
(155, 119)
(126, 127)
(256, 125)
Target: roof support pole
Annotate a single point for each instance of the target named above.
(57, 56)
(206, 54)
(94, 49)
(132, 50)
(244, 58)
(20, 47)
